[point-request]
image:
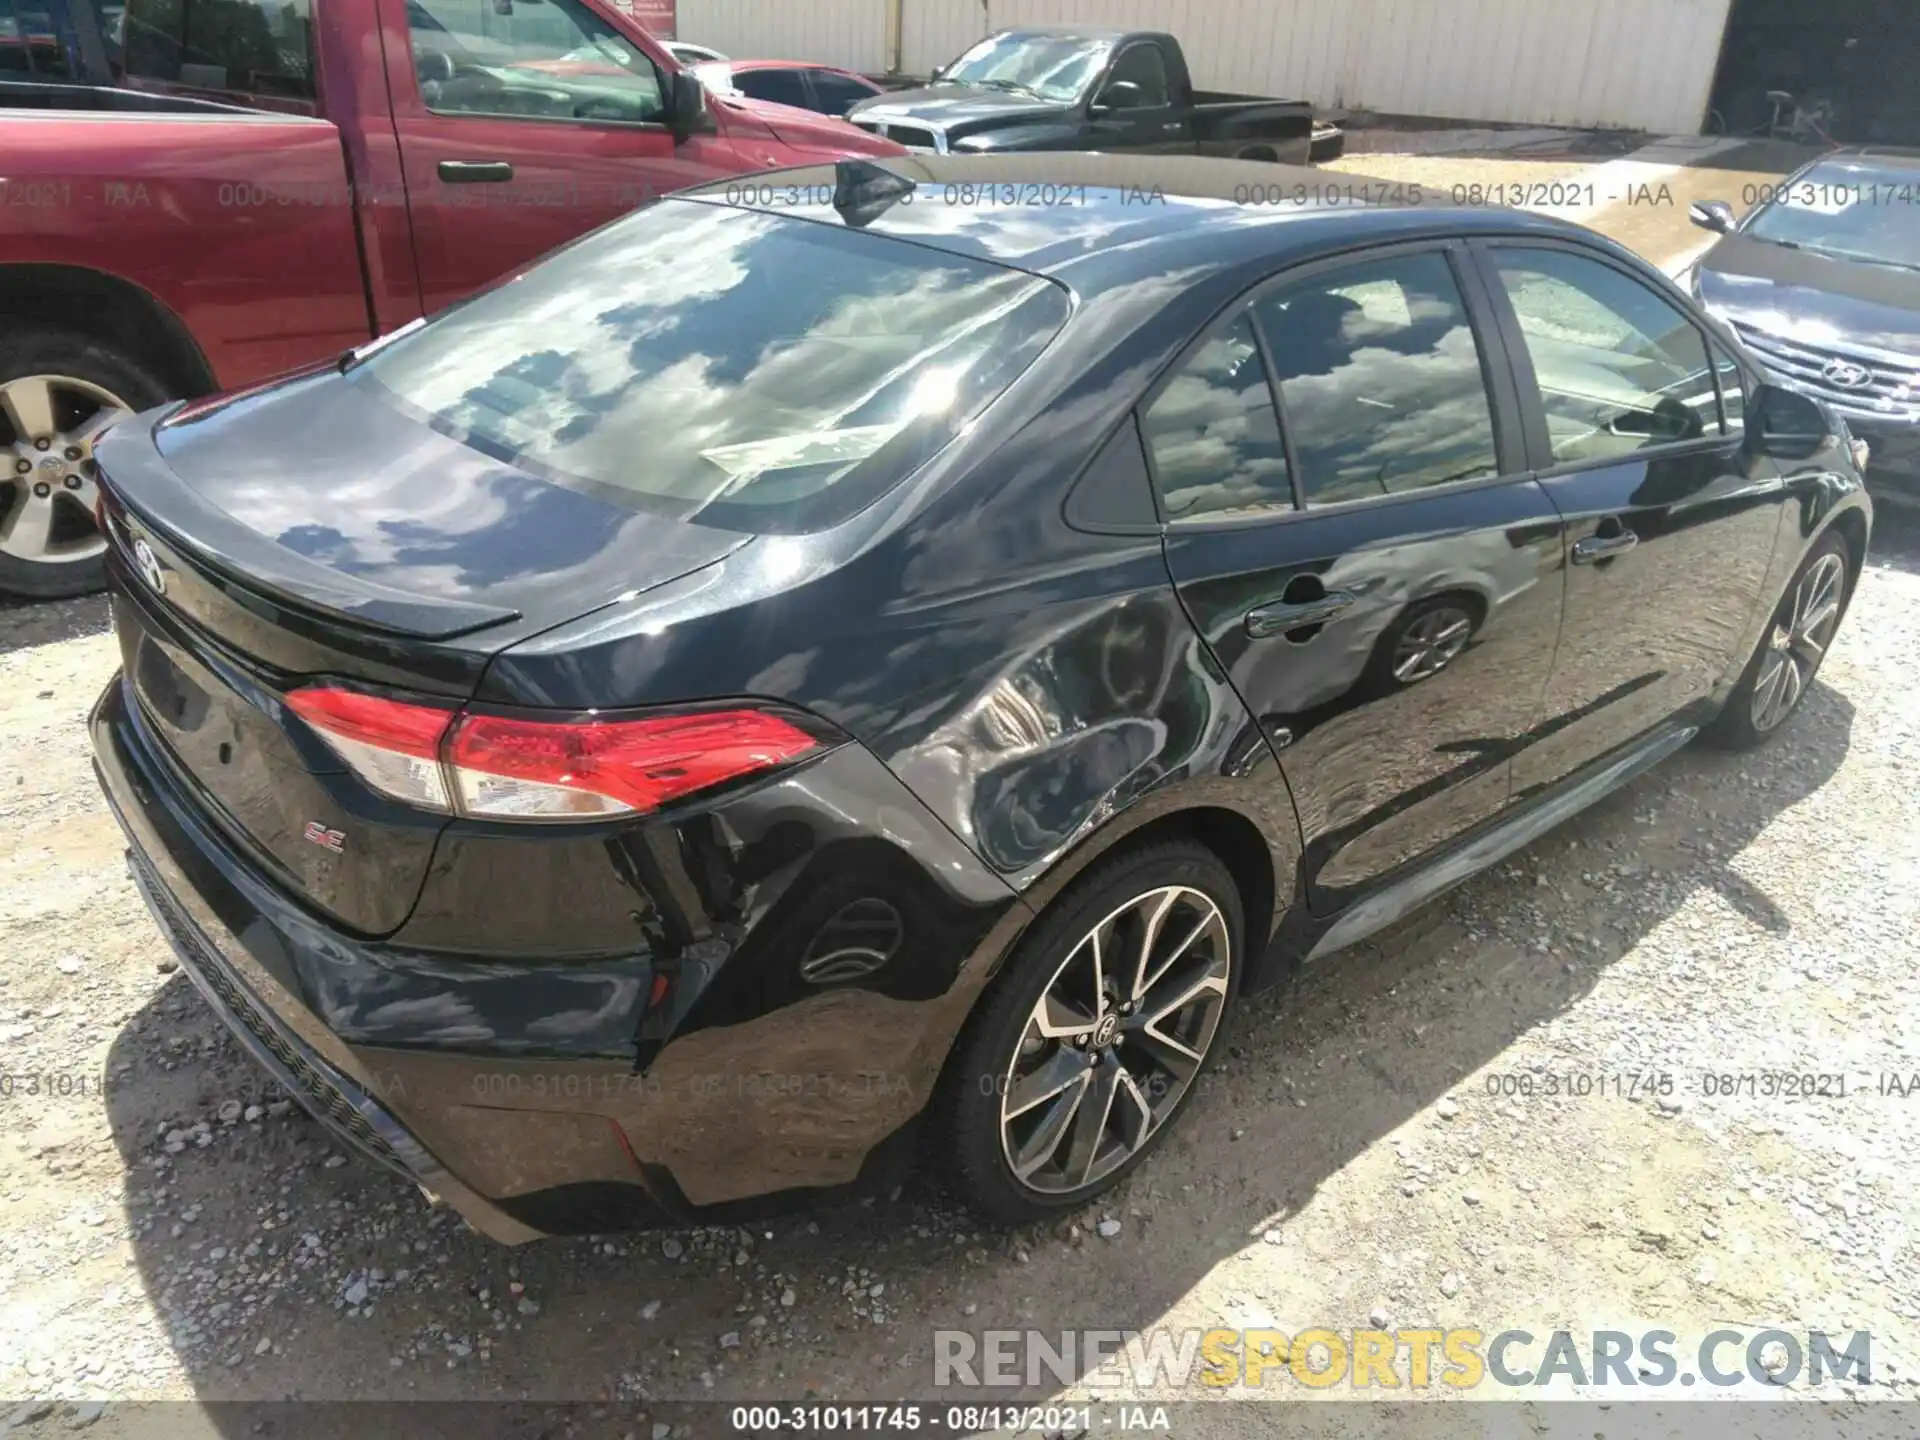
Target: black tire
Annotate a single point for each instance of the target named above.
(31, 349)
(967, 1112)
(1735, 727)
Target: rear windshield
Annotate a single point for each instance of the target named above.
(751, 371)
(1849, 211)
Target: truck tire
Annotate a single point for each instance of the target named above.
(58, 390)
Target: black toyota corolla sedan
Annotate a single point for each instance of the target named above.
(878, 654)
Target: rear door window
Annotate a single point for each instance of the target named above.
(748, 370)
(783, 87)
(1214, 436)
(837, 94)
(1380, 377)
(256, 48)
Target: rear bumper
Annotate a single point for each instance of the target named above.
(738, 1092)
(188, 907)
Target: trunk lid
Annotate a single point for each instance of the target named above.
(311, 531)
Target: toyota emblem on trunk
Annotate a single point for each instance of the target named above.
(1846, 375)
(148, 564)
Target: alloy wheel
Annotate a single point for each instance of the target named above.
(1116, 1039)
(1431, 643)
(1798, 642)
(47, 489)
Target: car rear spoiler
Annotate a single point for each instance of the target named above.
(240, 559)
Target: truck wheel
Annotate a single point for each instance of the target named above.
(58, 391)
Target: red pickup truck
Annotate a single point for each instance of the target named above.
(274, 181)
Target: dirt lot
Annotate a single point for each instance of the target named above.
(1379, 1147)
(1639, 196)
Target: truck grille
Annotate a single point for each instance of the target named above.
(1878, 387)
(323, 1095)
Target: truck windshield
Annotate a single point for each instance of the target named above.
(752, 371)
(1050, 66)
(1849, 211)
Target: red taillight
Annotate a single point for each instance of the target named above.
(543, 770)
(393, 746)
(371, 720)
(511, 768)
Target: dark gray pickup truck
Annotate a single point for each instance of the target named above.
(1085, 88)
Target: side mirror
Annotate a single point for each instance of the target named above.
(687, 106)
(1788, 425)
(937, 74)
(1714, 215)
(1120, 95)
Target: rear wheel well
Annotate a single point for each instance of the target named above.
(1243, 850)
(1259, 152)
(1852, 527)
(1238, 844)
(113, 313)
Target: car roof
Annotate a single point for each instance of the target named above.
(795, 65)
(1071, 32)
(1894, 157)
(1095, 219)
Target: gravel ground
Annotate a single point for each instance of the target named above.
(175, 1229)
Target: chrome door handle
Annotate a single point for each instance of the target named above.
(1603, 547)
(1269, 620)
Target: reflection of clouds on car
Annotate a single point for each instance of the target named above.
(636, 351)
(1380, 386)
(1437, 427)
(1380, 380)
(1215, 443)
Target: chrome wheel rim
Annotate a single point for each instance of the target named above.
(1116, 1039)
(47, 490)
(1798, 641)
(1431, 643)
